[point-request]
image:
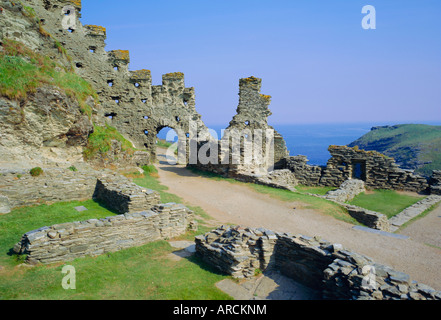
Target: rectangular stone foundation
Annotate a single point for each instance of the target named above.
(69, 241)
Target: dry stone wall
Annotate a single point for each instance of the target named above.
(375, 169)
(69, 241)
(436, 183)
(319, 264)
(19, 188)
(123, 196)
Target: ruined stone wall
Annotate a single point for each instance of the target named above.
(129, 101)
(18, 188)
(250, 148)
(69, 241)
(375, 169)
(305, 174)
(336, 272)
(435, 187)
(123, 196)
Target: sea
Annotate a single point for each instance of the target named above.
(313, 140)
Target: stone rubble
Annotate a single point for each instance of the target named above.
(316, 263)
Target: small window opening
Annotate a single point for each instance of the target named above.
(116, 68)
(144, 100)
(146, 117)
(137, 85)
(110, 82)
(111, 115)
(79, 65)
(146, 132)
(247, 123)
(71, 30)
(178, 119)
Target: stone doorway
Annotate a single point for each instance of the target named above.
(359, 170)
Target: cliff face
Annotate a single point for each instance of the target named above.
(46, 127)
(413, 146)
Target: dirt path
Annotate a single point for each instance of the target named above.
(238, 204)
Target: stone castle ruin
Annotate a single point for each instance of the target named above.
(251, 151)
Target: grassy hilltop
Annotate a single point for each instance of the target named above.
(414, 146)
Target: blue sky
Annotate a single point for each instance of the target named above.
(315, 59)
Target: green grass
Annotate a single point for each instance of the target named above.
(388, 202)
(141, 273)
(314, 190)
(22, 220)
(100, 142)
(22, 71)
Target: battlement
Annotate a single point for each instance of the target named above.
(96, 31)
(75, 3)
(141, 75)
(173, 76)
(250, 82)
(120, 55)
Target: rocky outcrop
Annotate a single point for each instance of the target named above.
(45, 128)
(69, 241)
(338, 273)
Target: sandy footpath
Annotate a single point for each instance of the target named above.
(229, 203)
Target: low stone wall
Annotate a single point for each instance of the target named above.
(369, 218)
(18, 188)
(123, 196)
(377, 170)
(413, 211)
(347, 191)
(305, 174)
(338, 273)
(280, 179)
(68, 241)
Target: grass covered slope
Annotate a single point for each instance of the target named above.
(413, 146)
(22, 71)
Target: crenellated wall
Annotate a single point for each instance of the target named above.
(130, 103)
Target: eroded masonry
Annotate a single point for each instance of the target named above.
(128, 101)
